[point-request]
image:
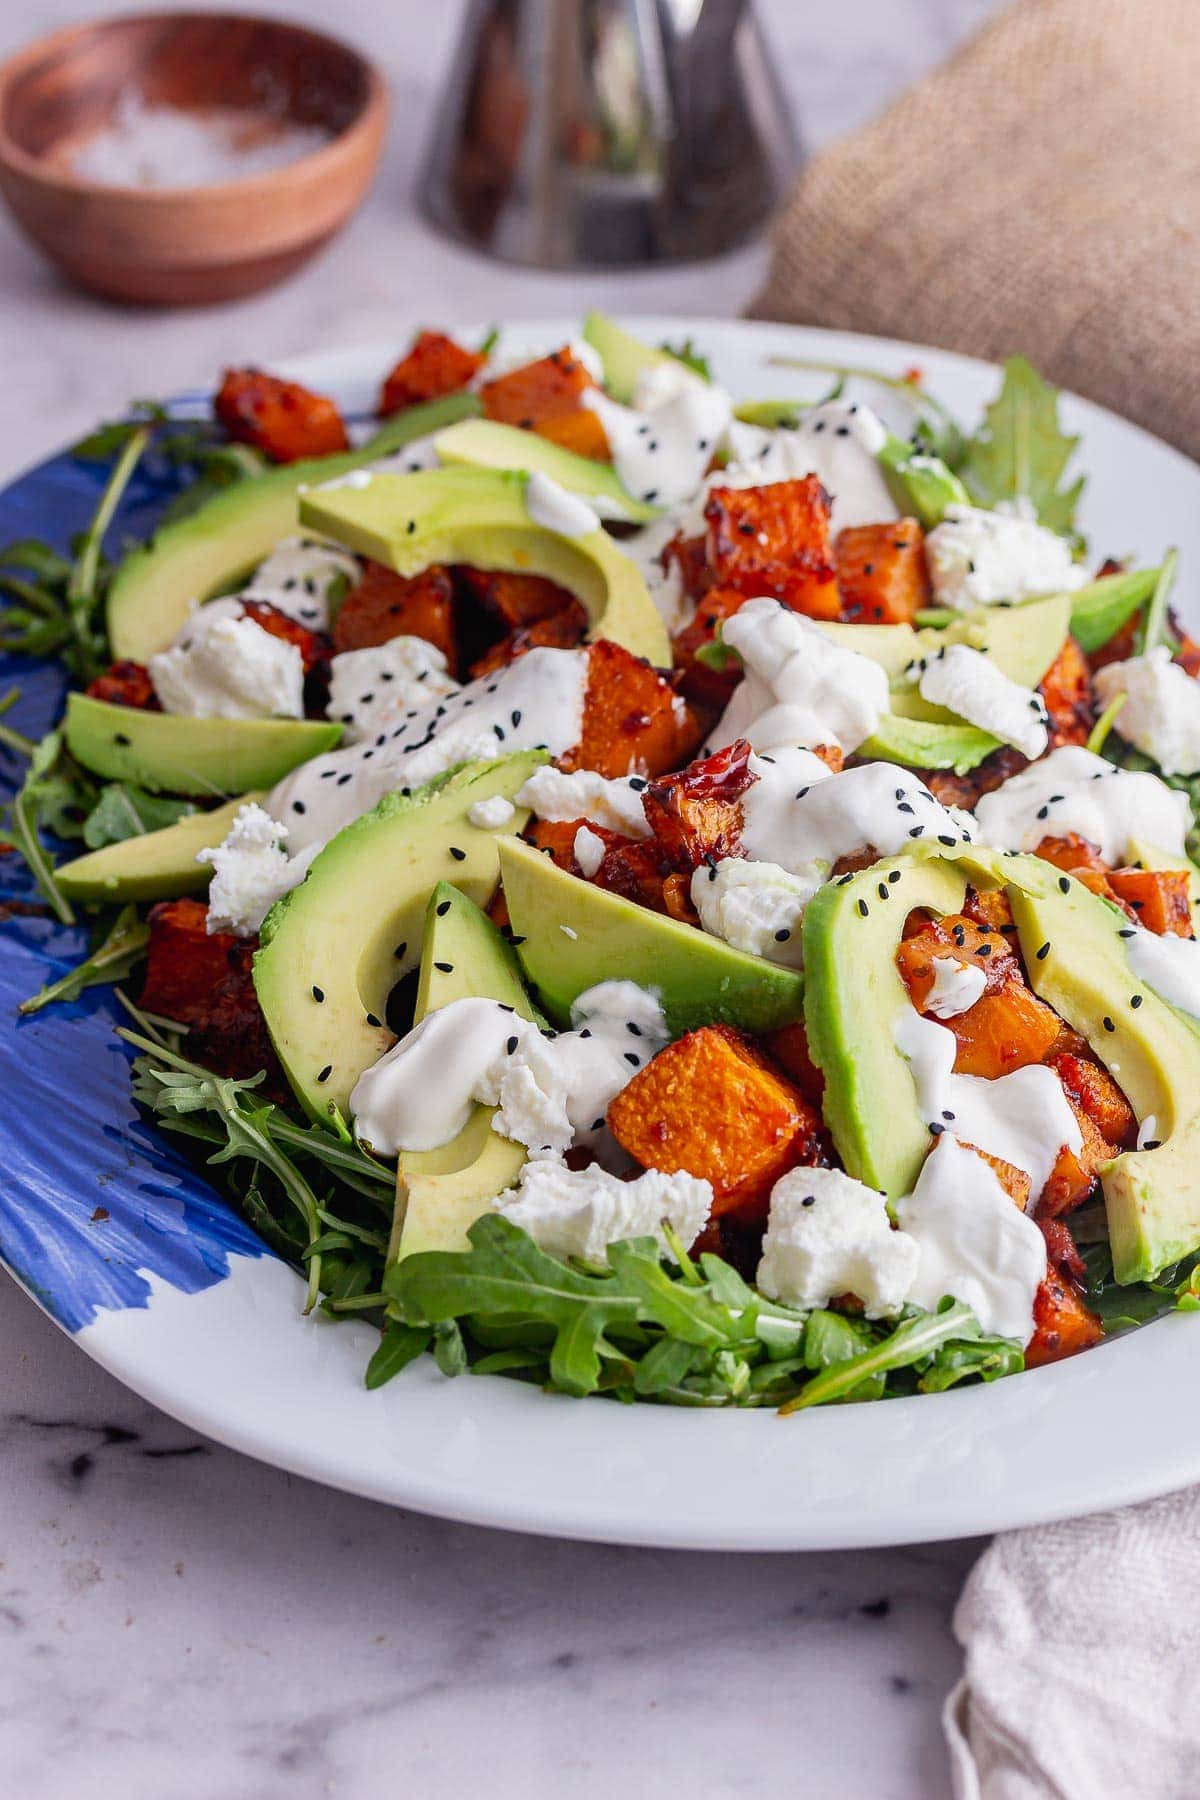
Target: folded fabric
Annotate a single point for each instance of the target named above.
(1039, 192)
(1082, 1649)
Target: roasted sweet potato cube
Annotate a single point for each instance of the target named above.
(633, 720)
(990, 907)
(434, 367)
(184, 964)
(1160, 899)
(1014, 1181)
(514, 598)
(558, 631)
(881, 572)
(314, 646)
(580, 432)
(788, 1046)
(1061, 1250)
(636, 870)
(1006, 1030)
(1076, 1173)
(282, 419)
(690, 556)
(696, 814)
(1092, 1090)
(677, 898)
(1067, 691)
(126, 683)
(531, 396)
(774, 540)
(1072, 853)
(385, 605)
(711, 1104)
(1063, 1322)
(557, 838)
(958, 936)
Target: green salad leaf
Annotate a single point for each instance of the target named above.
(116, 953)
(1021, 452)
(124, 811)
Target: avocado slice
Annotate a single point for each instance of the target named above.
(623, 356)
(928, 744)
(479, 516)
(1022, 640)
(213, 549)
(352, 927)
(1077, 962)
(190, 756)
(159, 865)
(1101, 607)
(440, 1193)
(571, 935)
(920, 484)
(853, 996)
(893, 647)
(484, 444)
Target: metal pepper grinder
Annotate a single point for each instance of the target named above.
(593, 133)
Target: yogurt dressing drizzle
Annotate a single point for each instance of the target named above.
(1073, 790)
(661, 446)
(798, 686)
(799, 815)
(1170, 966)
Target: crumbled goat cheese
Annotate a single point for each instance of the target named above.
(373, 688)
(1161, 714)
(225, 667)
(977, 689)
(581, 1212)
(298, 577)
(977, 558)
(251, 871)
(614, 804)
(491, 814)
(1071, 790)
(956, 987)
(554, 509)
(588, 851)
(827, 1235)
(755, 906)
(972, 1241)
(798, 686)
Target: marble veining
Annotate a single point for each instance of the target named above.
(178, 1620)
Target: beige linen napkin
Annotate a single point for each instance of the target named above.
(1039, 192)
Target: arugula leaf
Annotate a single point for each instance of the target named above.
(1156, 625)
(125, 811)
(51, 796)
(915, 1339)
(112, 959)
(399, 1345)
(691, 358)
(935, 427)
(1020, 451)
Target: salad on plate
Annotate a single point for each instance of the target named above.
(651, 893)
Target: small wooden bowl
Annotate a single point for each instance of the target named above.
(183, 246)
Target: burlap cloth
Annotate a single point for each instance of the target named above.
(1039, 192)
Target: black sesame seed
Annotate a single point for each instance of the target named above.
(1108, 1024)
(318, 994)
(637, 783)
(1152, 1144)
(443, 907)
(904, 807)
(937, 1128)
(944, 839)
(917, 831)
(809, 1200)
(343, 779)
(325, 1073)
(632, 1058)
(445, 967)
(1043, 812)
(1064, 886)
(372, 1020)
(511, 1045)
(863, 908)
(782, 935)
(514, 939)
(120, 738)
(632, 1029)
(985, 950)
(1043, 953)
(1135, 1000)
(298, 806)
(400, 951)
(1128, 932)
(948, 1116)
(586, 1032)
(457, 854)
(882, 891)
(894, 875)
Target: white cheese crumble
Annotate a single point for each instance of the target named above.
(550, 1092)
(588, 851)
(827, 1235)
(297, 579)
(581, 1212)
(1024, 1118)
(977, 689)
(554, 509)
(956, 987)
(222, 666)
(977, 558)
(1072, 790)
(755, 906)
(1161, 714)
(798, 686)
(491, 814)
(535, 702)
(371, 688)
(972, 1241)
(251, 871)
(616, 804)
(1169, 965)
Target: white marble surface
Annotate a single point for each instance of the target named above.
(177, 1620)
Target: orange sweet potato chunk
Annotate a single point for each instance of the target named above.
(705, 685)
(958, 936)
(561, 630)
(282, 419)
(434, 367)
(633, 720)
(580, 432)
(184, 964)
(541, 396)
(1093, 1092)
(385, 605)
(1063, 1323)
(789, 1047)
(1160, 899)
(313, 645)
(881, 572)
(1004, 1031)
(712, 1105)
(557, 838)
(1067, 691)
(1014, 1181)
(1072, 853)
(126, 683)
(697, 814)
(516, 599)
(774, 540)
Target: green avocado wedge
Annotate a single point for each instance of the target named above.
(853, 996)
(479, 517)
(484, 444)
(920, 484)
(333, 949)
(622, 356)
(159, 865)
(205, 757)
(214, 548)
(1022, 641)
(440, 1193)
(927, 744)
(571, 935)
(1101, 607)
(1077, 960)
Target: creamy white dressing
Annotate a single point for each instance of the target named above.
(978, 558)
(536, 701)
(588, 850)
(662, 452)
(614, 803)
(555, 509)
(755, 906)
(1024, 1118)
(551, 1090)
(419, 453)
(956, 987)
(665, 584)
(972, 1241)
(798, 686)
(224, 666)
(297, 579)
(1169, 965)
(1074, 790)
(977, 689)
(581, 1212)
(827, 1235)
(838, 442)
(1161, 714)
(807, 820)
(370, 690)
